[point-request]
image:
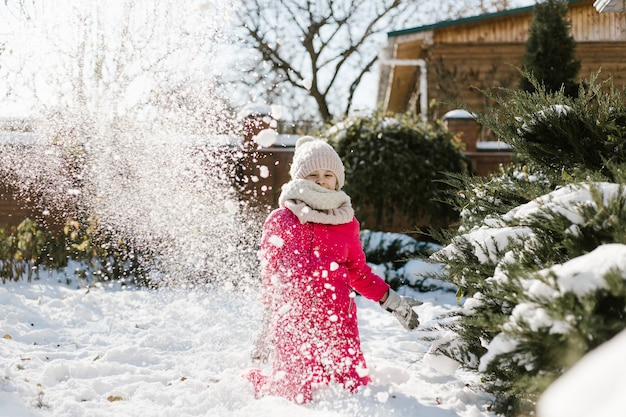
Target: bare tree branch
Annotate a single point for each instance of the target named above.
(321, 47)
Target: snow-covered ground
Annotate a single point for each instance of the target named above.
(108, 351)
(594, 387)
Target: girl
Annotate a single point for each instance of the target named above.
(311, 263)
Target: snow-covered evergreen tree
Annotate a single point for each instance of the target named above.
(524, 235)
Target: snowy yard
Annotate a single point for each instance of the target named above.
(120, 352)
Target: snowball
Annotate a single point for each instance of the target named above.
(264, 171)
(266, 138)
(277, 111)
(276, 241)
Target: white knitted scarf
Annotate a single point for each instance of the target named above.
(313, 203)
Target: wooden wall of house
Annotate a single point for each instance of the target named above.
(505, 29)
(457, 72)
(587, 26)
(482, 54)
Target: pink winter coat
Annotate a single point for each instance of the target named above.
(309, 273)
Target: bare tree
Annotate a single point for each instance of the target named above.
(97, 60)
(321, 48)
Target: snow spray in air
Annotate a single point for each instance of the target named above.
(130, 128)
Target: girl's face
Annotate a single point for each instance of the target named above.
(323, 177)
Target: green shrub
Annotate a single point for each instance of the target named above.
(21, 250)
(94, 254)
(520, 227)
(393, 164)
(559, 133)
(393, 251)
(100, 254)
(477, 198)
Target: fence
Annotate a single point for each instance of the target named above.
(262, 171)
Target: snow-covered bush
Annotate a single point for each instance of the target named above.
(393, 254)
(396, 248)
(393, 164)
(543, 284)
(537, 254)
(477, 198)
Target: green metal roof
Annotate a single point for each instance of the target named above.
(465, 20)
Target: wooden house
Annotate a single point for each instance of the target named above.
(425, 69)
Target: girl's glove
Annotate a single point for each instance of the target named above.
(402, 308)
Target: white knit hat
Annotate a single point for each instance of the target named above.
(312, 154)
